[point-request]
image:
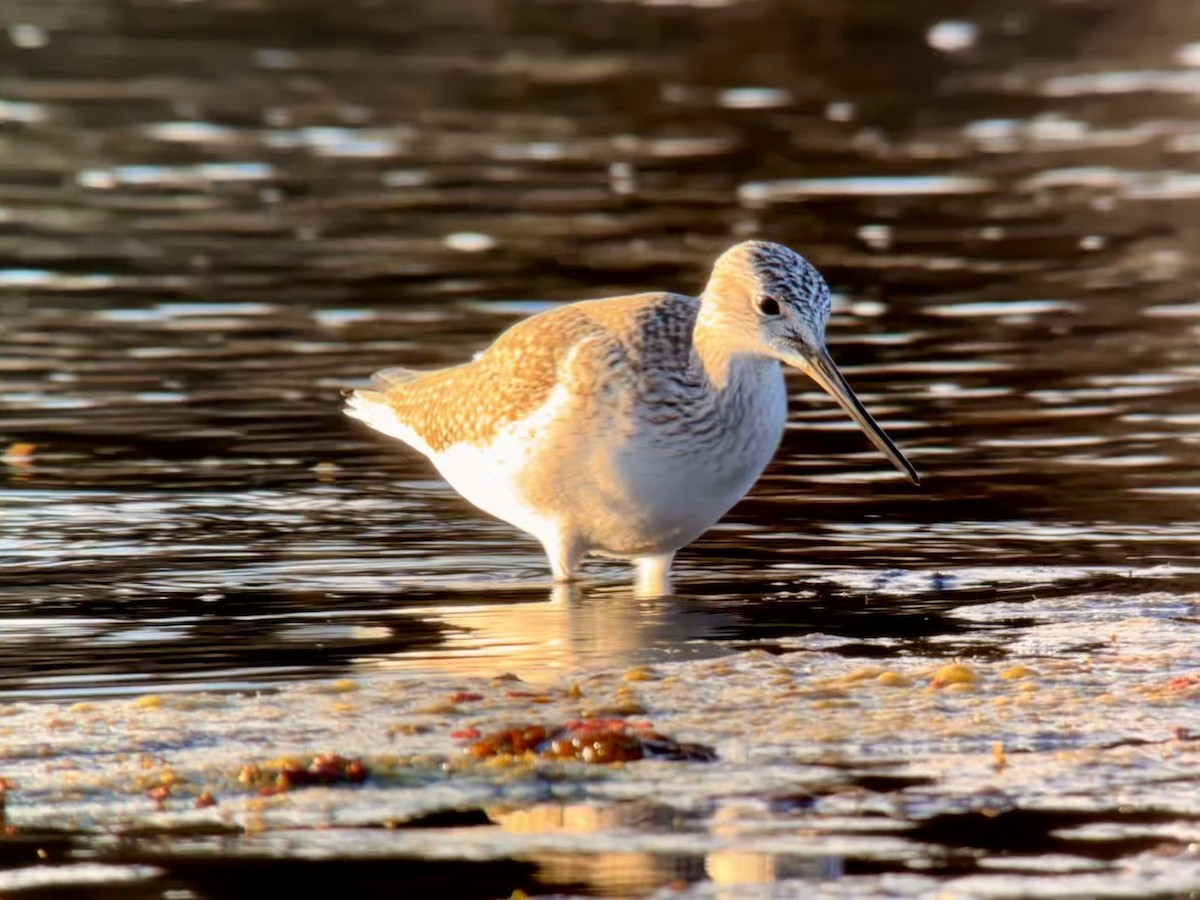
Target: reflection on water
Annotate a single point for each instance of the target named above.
(215, 216)
(624, 874)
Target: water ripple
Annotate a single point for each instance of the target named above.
(766, 192)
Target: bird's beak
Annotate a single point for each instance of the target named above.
(821, 369)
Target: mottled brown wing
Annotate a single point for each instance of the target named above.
(596, 349)
(470, 402)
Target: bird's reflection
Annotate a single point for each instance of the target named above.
(574, 626)
(539, 632)
(634, 872)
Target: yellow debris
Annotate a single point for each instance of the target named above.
(19, 453)
(954, 673)
(1018, 671)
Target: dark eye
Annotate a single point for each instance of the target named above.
(768, 306)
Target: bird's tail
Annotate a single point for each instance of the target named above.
(388, 378)
(371, 406)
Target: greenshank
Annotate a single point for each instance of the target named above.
(626, 427)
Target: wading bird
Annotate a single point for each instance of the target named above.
(626, 427)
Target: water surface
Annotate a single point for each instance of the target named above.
(214, 216)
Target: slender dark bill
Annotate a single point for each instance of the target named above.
(825, 372)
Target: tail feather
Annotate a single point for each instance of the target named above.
(372, 408)
(386, 378)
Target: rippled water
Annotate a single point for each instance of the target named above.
(215, 215)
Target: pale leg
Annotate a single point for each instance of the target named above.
(653, 575)
(565, 553)
(565, 593)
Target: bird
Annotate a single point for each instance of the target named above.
(626, 427)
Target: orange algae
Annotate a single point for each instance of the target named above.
(594, 740)
(325, 769)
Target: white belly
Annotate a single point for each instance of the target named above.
(615, 488)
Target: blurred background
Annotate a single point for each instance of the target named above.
(215, 214)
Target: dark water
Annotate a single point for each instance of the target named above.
(215, 215)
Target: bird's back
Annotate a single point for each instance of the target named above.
(625, 347)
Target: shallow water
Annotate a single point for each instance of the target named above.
(214, 216)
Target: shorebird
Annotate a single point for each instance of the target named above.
(626, 427)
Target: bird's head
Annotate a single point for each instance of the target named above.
(771, 302)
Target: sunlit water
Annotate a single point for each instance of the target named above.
(215, 216)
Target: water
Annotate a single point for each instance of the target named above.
(214, 216)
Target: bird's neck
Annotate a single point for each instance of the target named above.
(724, 365)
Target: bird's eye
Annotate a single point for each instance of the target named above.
(768, 306)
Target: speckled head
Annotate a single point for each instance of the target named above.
(771, 291)
(766, 300)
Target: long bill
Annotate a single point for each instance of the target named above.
(821, 369)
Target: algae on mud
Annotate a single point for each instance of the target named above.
(827, 773)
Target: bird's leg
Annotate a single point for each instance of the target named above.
(565, 552)
(565, 593)
(653, 575)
